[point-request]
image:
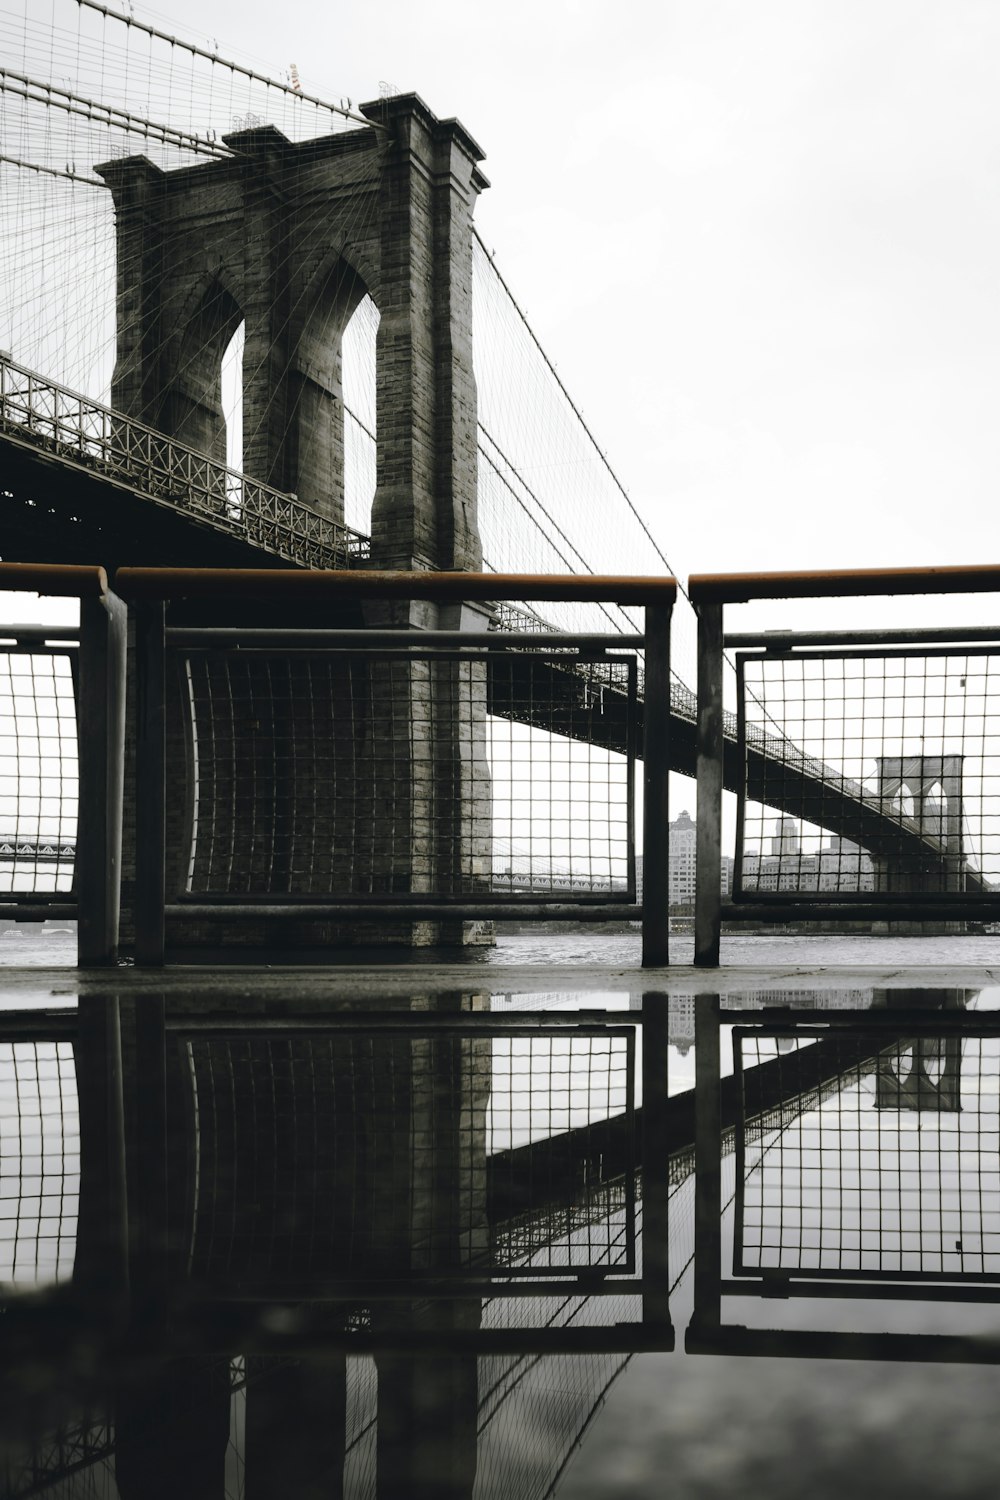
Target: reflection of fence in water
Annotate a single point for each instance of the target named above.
(388, 1154)
(312, 1135)
(39, 1161)
(896, 1172)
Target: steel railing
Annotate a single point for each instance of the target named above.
(417, 866)
(37, 413)
(796, 686)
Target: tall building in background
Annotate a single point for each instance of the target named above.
(681, 849)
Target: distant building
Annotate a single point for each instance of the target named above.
(839, 865)
(683, 836)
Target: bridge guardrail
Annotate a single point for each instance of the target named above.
(881, 741)
(62, 729)
(373, 795)
(37, 411)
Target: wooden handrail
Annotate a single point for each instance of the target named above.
(68, 580)
(740, 588)
(298, 585)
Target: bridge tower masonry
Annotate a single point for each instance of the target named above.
(288, 237)
(934, 786)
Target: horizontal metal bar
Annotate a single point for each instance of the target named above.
(201, 636)
(823, 1343)
(616, 1338)
(887, 901)
(70, 633)
(38, 1026)
(39, 909)
(779, 640)
(930, 1286)
(424, 911)
(961, 909)
(494, 1281)
(261, 584)
(871, 653)
(775, 1020)
(598, 1023)
(848, 583)
(405, 900)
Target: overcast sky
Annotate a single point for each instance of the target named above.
(760, 239)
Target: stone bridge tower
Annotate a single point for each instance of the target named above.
(933, 785)
(289, 238)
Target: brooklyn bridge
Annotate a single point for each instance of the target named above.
(374, 653)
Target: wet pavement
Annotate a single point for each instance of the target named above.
(500, 1228)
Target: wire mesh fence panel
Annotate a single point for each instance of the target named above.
(562, 762)
(317, 773)
(892, 1169)
(562, 1165)
(318, 1159)
(869, 772)
(39, 1162)
(39, 772)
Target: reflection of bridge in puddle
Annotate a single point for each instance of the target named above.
(368, 1242)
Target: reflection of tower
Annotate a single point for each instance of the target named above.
(923, 1073)
(301, 1162)
(927, 791)
(318, 1158)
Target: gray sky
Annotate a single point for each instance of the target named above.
(758, 237)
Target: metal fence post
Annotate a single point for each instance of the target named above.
(708, 877)
(708, 1167)
(655, 1165)
(101, 1268)
(101, 731)
(150, 778)
(148, 1195)
(656, 788)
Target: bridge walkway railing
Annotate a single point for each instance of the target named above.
(38, 414)
(389, 775)
(882, 741)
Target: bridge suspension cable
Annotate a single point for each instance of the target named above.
(549, 499)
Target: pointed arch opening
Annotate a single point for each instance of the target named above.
(360, 429)
(193, 407)
(328, 451)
